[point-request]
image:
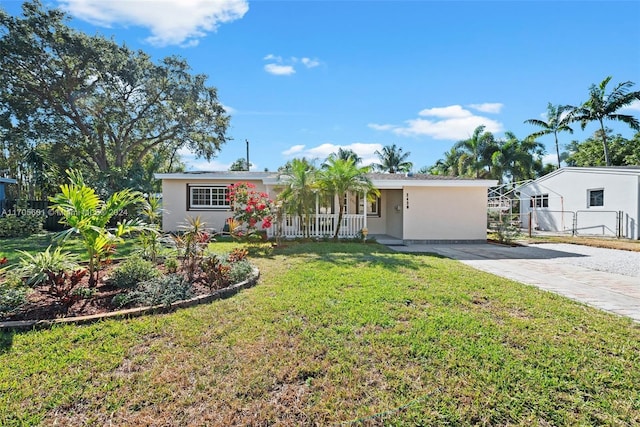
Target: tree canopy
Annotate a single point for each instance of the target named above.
(109, 107)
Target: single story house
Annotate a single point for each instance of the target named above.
(411, 208)
(584, 201)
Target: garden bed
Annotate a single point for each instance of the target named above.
(43, 310)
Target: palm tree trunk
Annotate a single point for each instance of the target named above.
(557, 149)
(340, 211)
(604, 144)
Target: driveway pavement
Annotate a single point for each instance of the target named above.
(603, 278)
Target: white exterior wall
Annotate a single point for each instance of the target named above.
(175, 203)
(445, 213)
(568, 196)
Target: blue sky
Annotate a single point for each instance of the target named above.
(302, 78)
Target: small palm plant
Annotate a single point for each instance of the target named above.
(88, 217)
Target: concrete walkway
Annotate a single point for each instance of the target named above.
(554, 267)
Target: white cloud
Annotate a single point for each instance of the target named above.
(375, 126)
(322, 151)
(446, 123)
(171, 22)
(310, 63)
(229, 110)
(285, 66)
(550, 159)
(634, 107)
(293, 150)
(488, 107)
(279, 70)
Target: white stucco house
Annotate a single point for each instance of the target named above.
(601, 201)
(411, 208)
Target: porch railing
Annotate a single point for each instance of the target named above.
(320, 225)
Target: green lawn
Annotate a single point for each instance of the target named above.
(39, 242)
(337, 334)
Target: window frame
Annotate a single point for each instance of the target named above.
(209, 207)
(370, 212)
(539, 201)
(590, 191)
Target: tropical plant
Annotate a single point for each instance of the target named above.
(557, 121)
(603, 106)
(191, 244)
(299, 194)
(88, 217)
(36, 267)
(517, 160)
(342, 176)
(161, 290)
(476, 153)
(250, 207)
(133, 271)
(393, 160)
(448, 166)
(347, 153)
(215, 272)
(149, 238)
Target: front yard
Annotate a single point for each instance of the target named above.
(337, 334)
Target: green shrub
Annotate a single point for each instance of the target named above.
(122, 300)
(13, 294)
(36, 267)
(12, 225)
(133, 271)
(240, 271)
(162, 290)
(171, 264)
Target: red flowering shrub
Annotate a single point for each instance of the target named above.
(250, 207)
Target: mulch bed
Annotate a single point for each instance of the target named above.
(42, 306)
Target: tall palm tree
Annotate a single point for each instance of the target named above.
(393, 160)
(557, 121)
(602, 106)
(347, 153)
(476, 153)
(341, 176)
(298, 197)
(517, 159)
(447, 166)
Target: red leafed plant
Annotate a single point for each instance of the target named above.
(62, 285)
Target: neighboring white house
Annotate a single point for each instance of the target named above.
(412, 208)
(584, 201)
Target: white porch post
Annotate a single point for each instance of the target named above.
(317, 214)
(365, 209)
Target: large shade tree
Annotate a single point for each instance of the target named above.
(393, 160)
(603, 106)
(340, 176)
(110, 105)
(557, 121)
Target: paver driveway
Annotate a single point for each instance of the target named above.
(589, 275)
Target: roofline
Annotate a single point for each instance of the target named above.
(610, 170)
(382, 184)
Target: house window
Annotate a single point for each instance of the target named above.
(373, 206)
(327, 205)
(595, 197)
(539, 201)
(203, 197)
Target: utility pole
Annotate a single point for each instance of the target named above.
(248, 167)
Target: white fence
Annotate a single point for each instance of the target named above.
(321, 225)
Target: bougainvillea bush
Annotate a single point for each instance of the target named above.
(253, 211)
